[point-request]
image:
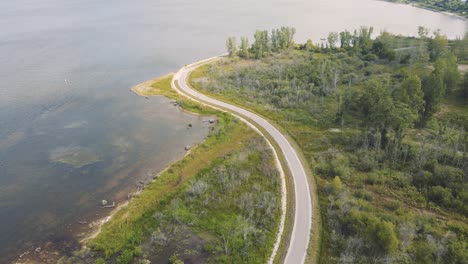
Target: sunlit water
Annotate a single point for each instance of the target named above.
(71, 133)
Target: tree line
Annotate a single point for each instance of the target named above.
(264, 43)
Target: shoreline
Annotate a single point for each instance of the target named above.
(94, 233)
(448, 13)
(84, 233)
(103, 220)
(165, 88)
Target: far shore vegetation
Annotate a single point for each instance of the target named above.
(220, 204)
(383, 124)
(459, 7)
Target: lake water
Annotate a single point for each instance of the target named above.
(71, 133)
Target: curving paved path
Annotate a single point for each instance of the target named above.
(297, 250)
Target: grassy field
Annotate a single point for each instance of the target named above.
(211, 206)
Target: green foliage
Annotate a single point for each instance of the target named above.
(345, 39)
(423, 32)
(423, 252)
(336, 185)
(174, 259)
(126, 257)
(464, 88)
(231, 46)
(411, 94)
(332, 163)
(262, 44)
(438, 46)
(309, 45)
(332, 39)
(455, 6)
(244, 48)
(460, 48)
(376, 103)
(386, 237)
(353, 112)
(362, 39)
(458, 251)
(434, 90)
(282, 38)
(99, 261)
(382, 46)
(440, 195)
(446, 67)
(234, 200)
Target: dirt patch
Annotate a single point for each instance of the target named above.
(463, 67)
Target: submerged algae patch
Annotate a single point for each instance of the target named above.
(74, 156)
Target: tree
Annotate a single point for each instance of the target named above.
(458, 250)
(383, 50)
(437, 46)
(274, 39)
(380, 234)
(290, 32)
(345, 39)
(386, 237)
(423, 32)
(282, 38)
(377, 105)
(336, 185)
(364, 37)
(174, 259)
(446, 66)
(309, 45)
(441, 196)
(285, 37)
(262, 43)
(464, 88)
(400, 118)
(411, 94)
(382, 46)
(382, 113)
(332, 39)
(244, 48)
(460, 48)
(423, 252)
(433, 89)
(231, 46)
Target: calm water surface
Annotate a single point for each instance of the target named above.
(71, 133)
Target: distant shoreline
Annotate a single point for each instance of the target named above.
(459, 16)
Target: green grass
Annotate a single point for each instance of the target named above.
(123, 236)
